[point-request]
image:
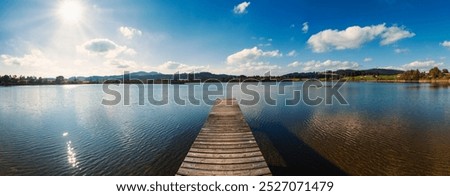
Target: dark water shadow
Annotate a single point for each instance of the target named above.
(428, 86)
(299, 158)
(172, 155)
(439, 85)
(177, 151)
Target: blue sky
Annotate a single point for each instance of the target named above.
(86, 37)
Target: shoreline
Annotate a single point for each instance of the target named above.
(430, 81)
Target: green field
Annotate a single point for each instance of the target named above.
(371, 78)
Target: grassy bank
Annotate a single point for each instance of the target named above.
(371, 78)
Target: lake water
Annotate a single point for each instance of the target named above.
(386, 129)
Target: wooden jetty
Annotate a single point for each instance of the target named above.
(225, 146)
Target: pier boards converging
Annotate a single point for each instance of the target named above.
(225, 146)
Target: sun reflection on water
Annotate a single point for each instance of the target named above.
(71, 158)
(71, 155)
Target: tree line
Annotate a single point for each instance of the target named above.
(434, 73)
(7, 80)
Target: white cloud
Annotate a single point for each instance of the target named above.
(104, 47)
(265, 45)
(241, 8)
(445, 44)
(121, 63)
(129, 51)
(292, 53)
(35, 58)
(172, 67)
(295, 64)
(41, 63)
(250, 54)
(325, 65)
(422, 65)
(401, 50)
(130, 32)
(394, 34)
(305, 27)
(254, 68)
(250, 61)
(273, 53)
(355, 36)
(352, 37)
(368, 59)
(390, 67)
(268, 42)
(38, 63)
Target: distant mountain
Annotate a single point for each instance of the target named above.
(345, 72)
(350, 72)
(302, 75)
(143, 76)
(143, 73)
(182, 78)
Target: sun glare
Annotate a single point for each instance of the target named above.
(71, 11)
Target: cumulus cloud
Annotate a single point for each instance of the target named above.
(104, 47)
(251, 61)
(130, 32)
(121, 63)
(35, 58)
(172, 67)
(305, 27)
(295, 64)
(292, 53)
(401, 50)
(255, 68)
(445, 44)
(350, 38)
(241, 8)
(324, 66)
(250, 54)
(422, 65)
(390, 67)
(355, 36)
(368, 59)
(394, 34)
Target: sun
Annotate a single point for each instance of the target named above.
(71, 11)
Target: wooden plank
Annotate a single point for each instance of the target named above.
(225, 145)
(224, 155)
(232, 167)
(224, 151)
(227, 139)
(227, 135)
(224, 161)
(197, 172)
(232, 134)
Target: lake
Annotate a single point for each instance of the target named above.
(385, 129)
